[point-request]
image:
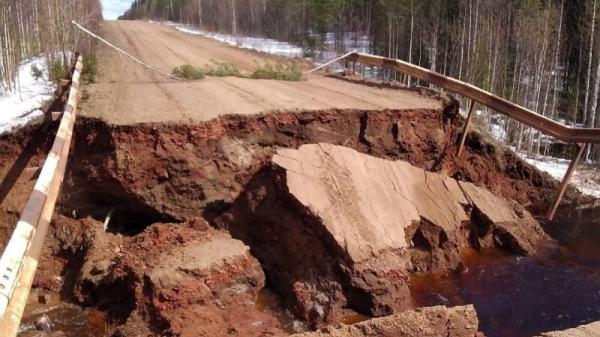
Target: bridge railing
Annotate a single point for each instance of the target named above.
(19, 260)
(580, 137)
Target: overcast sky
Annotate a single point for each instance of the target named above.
(111, 9)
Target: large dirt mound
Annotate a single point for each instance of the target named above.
(171, 276)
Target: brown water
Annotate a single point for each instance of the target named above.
(73, 320)
(268, 301)
(518, 296)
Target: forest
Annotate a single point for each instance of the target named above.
(42, 28)
(542, 54)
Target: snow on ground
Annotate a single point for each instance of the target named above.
(332, 48)
(22, 104)
(586, 177)
(265, 45)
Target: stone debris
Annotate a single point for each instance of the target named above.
(423, 322)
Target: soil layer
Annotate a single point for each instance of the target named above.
(159, 181)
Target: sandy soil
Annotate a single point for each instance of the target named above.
(126, 93)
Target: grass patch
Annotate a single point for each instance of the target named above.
(85, 95)
(222, 69)
(217, 69)
(57, 71)
(189, 72)
(90, 69)
(279, 71)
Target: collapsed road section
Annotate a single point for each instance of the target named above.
(340, 229)
(158, 267)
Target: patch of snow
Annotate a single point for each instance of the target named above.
(587, 180)
(553, 166)
(265, 45)
(333, 47)
(22, 104)
(498, 132)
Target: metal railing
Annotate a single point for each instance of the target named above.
(581, 137)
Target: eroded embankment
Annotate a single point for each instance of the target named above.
(162, 181)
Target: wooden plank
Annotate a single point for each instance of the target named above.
(466, 129)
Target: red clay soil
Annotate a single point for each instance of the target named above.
(177, 172)
(156, 175)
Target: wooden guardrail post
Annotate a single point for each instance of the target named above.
(466, 128)
(565, 181)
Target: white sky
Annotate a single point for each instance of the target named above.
(111, 9)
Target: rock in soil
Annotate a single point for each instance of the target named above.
(172, 276)
(343, 229)
(423, 322)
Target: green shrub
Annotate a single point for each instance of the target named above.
(90, 69)
(36, 72)
(57, 71)
(279, 71)
(85, 94)
(222, 69)
(188, 71)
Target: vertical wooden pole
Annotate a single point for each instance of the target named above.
(565, 181)
(466, 128)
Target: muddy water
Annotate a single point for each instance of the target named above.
(268, 301)
(74, 321)
(517, 296)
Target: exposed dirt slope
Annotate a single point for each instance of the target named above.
(126, 93)
(174, 173)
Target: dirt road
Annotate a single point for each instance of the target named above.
(126, 93)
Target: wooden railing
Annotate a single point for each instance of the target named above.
(20, 258)
(578, 136)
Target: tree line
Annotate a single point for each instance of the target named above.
(42, 28)
(542, 54)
